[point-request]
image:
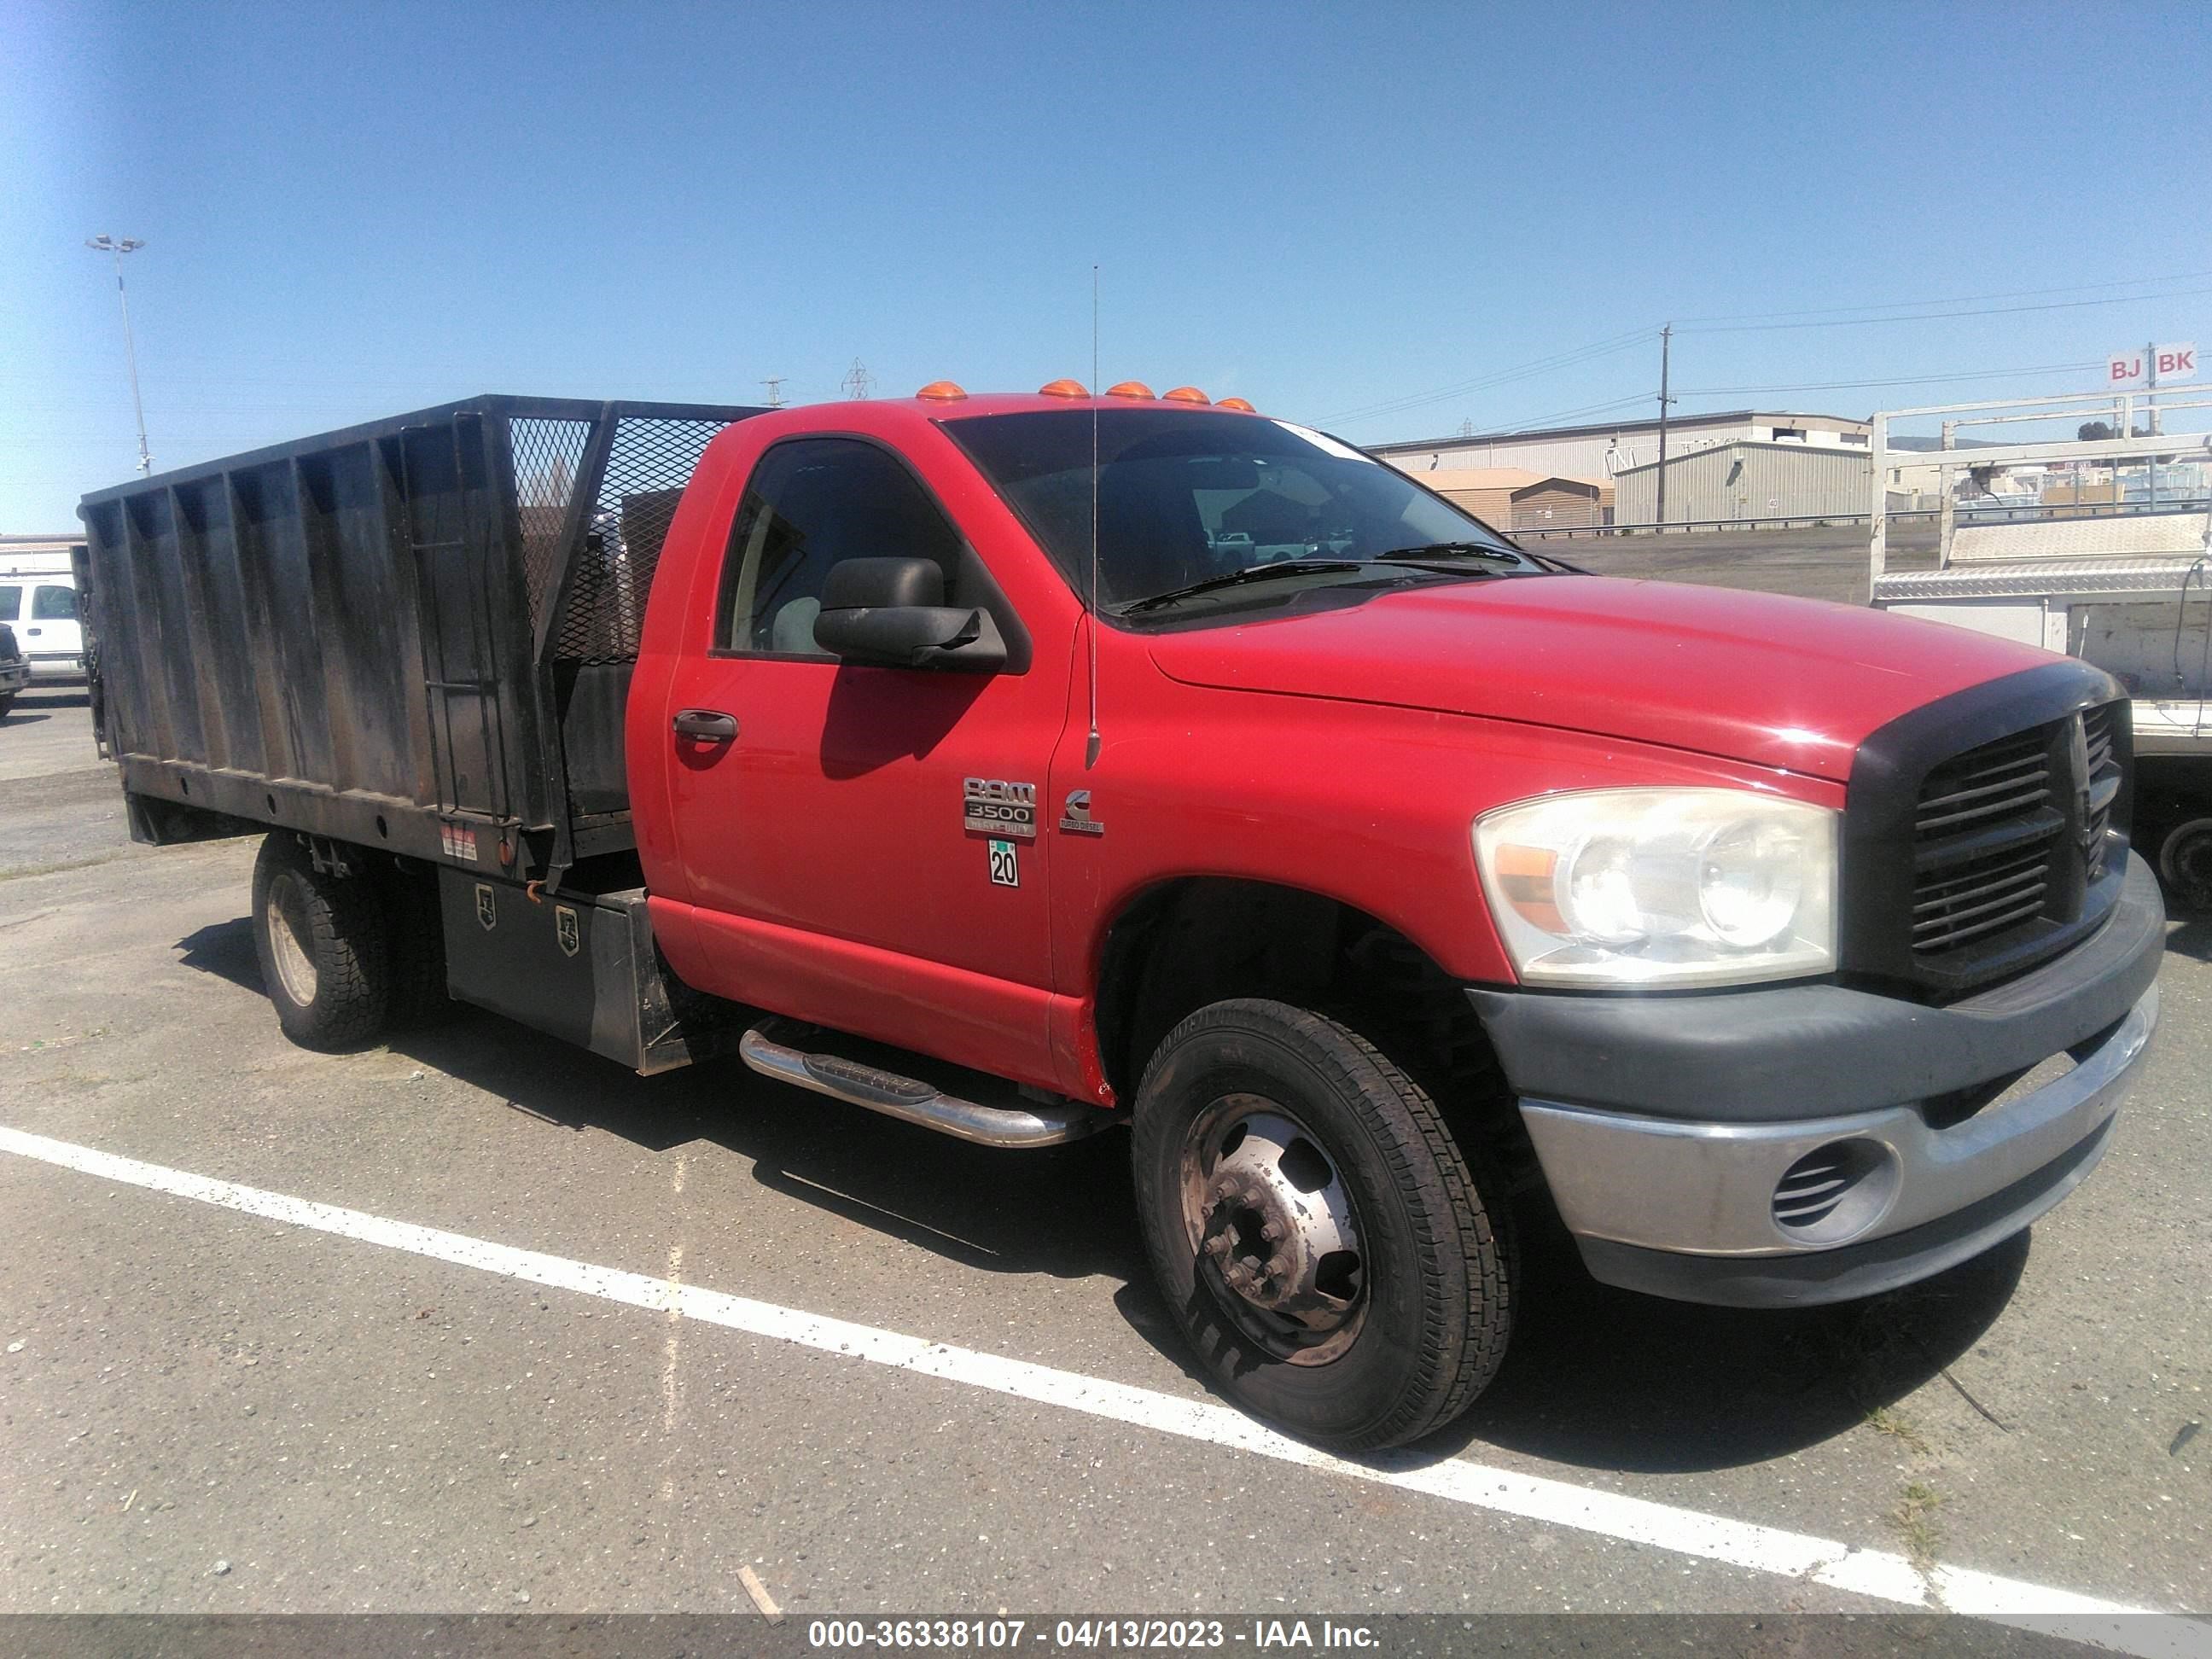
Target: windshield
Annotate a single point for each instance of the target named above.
(1186, 497)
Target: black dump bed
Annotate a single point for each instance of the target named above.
(415, 634)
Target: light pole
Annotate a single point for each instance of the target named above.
(119, 246)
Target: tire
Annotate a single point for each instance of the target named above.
(2185, 858)
(416, 929)
(7, 703)
(1254, 1114)
(325, 955)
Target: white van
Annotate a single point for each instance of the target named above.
(42, 607)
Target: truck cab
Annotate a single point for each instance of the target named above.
(41, 607)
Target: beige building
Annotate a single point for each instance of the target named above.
(1515, 498)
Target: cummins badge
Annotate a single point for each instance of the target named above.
(1075, 818)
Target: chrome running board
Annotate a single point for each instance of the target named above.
(1038, 1124)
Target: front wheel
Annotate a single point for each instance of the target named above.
(2185, 858)
(1339, 1268)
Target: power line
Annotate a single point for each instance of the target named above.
(1961, 299)
(1759, 322)
(1902, 379)
(1537, 423)
(1501, 376)
(1938, 316)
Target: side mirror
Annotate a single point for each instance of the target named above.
(890, 613)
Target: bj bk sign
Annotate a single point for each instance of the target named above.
(2171, 362)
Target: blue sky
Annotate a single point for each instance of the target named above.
(355, 210)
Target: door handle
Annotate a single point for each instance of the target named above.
(706, 725)
(29, 632)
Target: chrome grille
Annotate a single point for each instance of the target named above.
(2096, 733)
(1989, 895)
(1985, 834)
(2097, 729)
(1997, 780)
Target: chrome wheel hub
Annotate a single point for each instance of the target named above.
(1275, 1228)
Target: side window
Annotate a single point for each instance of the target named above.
(10, 598)
(812, 503)
(53, 604)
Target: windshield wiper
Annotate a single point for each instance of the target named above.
(1447, 551)
(1454, 549)
(1250, 573)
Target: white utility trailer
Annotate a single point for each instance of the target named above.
(2098, 546)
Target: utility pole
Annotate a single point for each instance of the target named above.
(858, 382)
(775, 383)
(2150, 404)
(1666, 340)
(119, 246)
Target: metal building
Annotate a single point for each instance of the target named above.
(39, 555)
(1748, 481)
(1606, 451)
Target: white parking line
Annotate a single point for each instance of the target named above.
(1877, 1573)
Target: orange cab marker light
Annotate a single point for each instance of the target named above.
(1063, 389)
(1237, 403)
(941, 392)
(1185, 394)
(1130, 389)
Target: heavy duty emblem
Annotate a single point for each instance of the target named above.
(992, 806)
(1075, 816)
(487, 907)
(566, 929)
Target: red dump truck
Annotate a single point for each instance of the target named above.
(1026, 767)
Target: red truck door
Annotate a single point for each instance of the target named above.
(823, 811)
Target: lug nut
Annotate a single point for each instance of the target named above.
(1278, 1266)
(1218, 1245)
(1271, 1230)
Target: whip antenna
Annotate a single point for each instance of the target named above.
(1090, 630)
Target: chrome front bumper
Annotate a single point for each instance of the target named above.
(1664, 1124)
(1707, 1189)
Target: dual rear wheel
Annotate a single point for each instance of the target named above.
(344, 956)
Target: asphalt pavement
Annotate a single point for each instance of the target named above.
(1811, 562)
(251, 1369)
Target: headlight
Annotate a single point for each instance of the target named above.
(1661, 887)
